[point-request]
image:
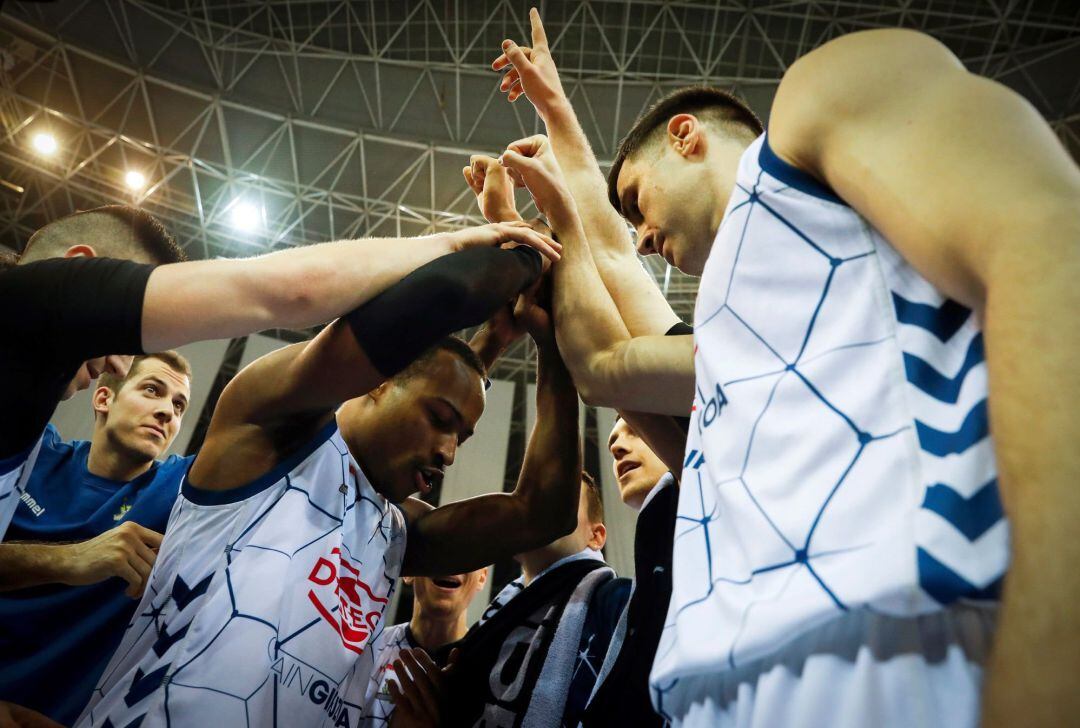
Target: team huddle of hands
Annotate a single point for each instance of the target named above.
(529, 163)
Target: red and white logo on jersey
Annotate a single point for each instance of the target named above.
(359, 610)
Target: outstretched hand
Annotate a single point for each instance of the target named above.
(532, 70)
(507, 235)
(494, 190)
(532, 163)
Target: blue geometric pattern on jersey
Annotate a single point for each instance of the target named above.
(839, 453)
(254, 639)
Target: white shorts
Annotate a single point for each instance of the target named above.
(862, 669)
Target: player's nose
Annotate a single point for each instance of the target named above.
(446, 450)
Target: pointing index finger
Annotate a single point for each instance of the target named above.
(539, 37)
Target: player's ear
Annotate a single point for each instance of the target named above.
(407, 579)
(80, 251)
(597, 536)
(482, 578)
(686, 135)
(101, 400)
(380, 390)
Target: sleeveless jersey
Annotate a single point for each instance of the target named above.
(262, 602)
(839, 454)
(14, 475)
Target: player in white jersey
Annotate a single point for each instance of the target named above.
(840, 540)
(284, 547)
(438, 620)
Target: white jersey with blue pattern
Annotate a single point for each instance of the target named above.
(262, 603)
(839, 456)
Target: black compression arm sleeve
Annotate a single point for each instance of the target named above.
(446, 295)
(60, 312)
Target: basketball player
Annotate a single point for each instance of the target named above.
(100, 283)
(295, 520)
(84, 538)
(438, 621)
(842, 514)
(620, 695)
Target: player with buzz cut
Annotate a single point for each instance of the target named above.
(295, 521)
(902, 244)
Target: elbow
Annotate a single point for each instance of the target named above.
(592, 391)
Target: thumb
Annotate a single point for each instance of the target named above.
(516, 161)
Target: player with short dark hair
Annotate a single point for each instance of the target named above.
(295, 520)
(868, 277)
(84, 538)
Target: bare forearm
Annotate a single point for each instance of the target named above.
(23, 565)
(587, 324)
(1033, 343)
(639, 301)
(297, 288)
(551, 471)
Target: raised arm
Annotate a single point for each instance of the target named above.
(532, 72)
(610, 368)
(306, 286)
(541, 508)
(296, 388)
(970, 184)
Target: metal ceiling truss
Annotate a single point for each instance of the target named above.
(345, 119)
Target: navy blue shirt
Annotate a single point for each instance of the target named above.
(56, 640)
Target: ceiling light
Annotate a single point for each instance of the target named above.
(246, 216)
(45, 143)
(134, 180)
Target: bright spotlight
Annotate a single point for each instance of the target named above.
(45, 143)
(135, 180)
(246, 216)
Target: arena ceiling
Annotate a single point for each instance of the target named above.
(322, 120)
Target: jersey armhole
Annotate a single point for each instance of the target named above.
(792, 176)
(204, 497)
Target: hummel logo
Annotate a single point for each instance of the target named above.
(32, 504)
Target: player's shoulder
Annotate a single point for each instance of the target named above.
(848, 78)
(56, 451)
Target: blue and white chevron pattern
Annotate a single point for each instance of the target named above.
(961, 531)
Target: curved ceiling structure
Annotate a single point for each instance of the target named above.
(335, 119)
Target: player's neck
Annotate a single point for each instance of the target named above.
(534, 562)
(432, 632)
(113, 464)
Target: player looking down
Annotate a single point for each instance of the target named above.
(295, 520)
(892, 251)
